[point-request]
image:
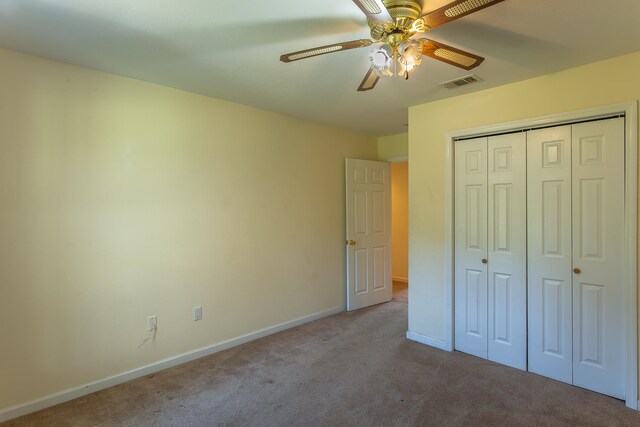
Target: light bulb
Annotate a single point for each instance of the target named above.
(382, 59)
(409, 56)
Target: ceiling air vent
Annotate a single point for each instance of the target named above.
(462, 81)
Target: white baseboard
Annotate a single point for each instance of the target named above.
(73, 393)
(400, 279)
(433, 342)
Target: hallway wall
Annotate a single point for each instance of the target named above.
(399, 221)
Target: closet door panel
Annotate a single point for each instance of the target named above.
(471, 246)
(507, 290)
(598, 252)
(549, 253)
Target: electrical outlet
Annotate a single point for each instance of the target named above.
(197, 313)
(152, 323)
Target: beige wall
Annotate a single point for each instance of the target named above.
(393, 148)
(121, 199)
(599, 84)
(399, 221)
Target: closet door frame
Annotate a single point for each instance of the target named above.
(630, 111)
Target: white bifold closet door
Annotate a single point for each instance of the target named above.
(490, 254)
(549, 261)
(576, 293)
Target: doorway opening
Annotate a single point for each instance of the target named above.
(399, 231)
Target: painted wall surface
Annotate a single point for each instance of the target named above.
(393, 148)
(399, 221)
(121, 199)
(604, 83)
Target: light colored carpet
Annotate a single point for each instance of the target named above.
(400, 292)
(351, 369)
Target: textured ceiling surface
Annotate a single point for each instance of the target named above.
(230, 50)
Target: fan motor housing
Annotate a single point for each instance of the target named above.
(403, 12)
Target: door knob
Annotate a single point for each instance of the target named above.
(577, 270)
(484, 260)
(351, 242)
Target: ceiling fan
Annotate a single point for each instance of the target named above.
(393, 23)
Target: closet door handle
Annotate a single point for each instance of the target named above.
(577, 270)
(484, 260)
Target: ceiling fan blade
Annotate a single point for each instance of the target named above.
(454, 10)
(369, 81)
(450, 55)
(323, 50)
(375, 10)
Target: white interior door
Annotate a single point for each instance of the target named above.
(490, 248)
(576, 297)
(507, 250)
(471, 247)
(598, 256)
(549, 252)
(368, 209)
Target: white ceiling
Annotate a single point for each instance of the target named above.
(230, 49)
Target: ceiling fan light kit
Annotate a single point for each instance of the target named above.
(393, 24)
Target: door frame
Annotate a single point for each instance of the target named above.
(630, 110)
